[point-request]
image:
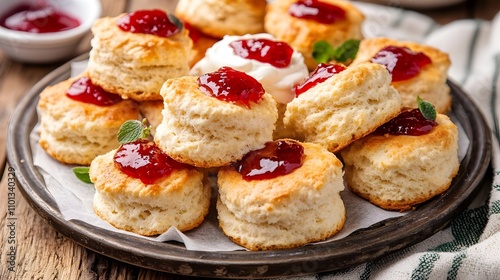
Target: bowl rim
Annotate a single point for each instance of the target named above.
(95, 11)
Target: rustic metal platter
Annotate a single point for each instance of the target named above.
(363, 245)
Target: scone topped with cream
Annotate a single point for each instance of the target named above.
(214, 119)
(405, 162)
(276, 65)
(284, 195)
(133, 54)
(416, 69)
(303, 23)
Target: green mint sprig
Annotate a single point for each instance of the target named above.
(132, 130)
(323, 52)
(427, 109)
(82, 173)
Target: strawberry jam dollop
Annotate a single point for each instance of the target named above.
(322, 72)
(409, 122)
(316, 10)
(401, 62)
(38, 19)
(232, 86)
(143, 160)
(277, 158)
(276, 53)
(84, 90)
(154, 22)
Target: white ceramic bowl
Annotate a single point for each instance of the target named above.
(48, 47)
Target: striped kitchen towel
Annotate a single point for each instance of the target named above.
(470, 247)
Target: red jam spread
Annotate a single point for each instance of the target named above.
(318, 11)
(322, 72)
(143, 160)
(276, 53)
(277, 158)
(401, 62)
(232, 86)
(194, 33)
(38, 19)
(84, 90)
(410, 122)
(154, 22)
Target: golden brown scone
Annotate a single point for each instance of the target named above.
(151, 111)
(302, 34)
(179, 200)
(286, 211)
(204, 131)
(345, 107)
(397, 172)
(430, 84)
(75, 132)
(136, 65)
(217, 18)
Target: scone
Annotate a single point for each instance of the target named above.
(345, 107)
(286, 211)
(179, 199)
(135, 65)
(151, 111)
(218, 18)
(397, 172)
(283, 20)
(429, 83)
(75, 132)
(201, 130)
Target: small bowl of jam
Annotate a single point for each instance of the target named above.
(45, 31)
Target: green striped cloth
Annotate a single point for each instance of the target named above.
(470, 247)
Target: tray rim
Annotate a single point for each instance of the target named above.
(365, 245)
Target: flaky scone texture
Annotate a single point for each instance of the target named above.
(204, 131)
(302, 34)
(345, 107)
(218, 18)
(397, 172)
(136, 65)
(287, 211)
(75, 132)
(430, 84)
(179, 200)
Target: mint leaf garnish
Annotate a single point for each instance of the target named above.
(130, 131)
(323, 52)
(82, 173)
(427, 109)
(347, 51)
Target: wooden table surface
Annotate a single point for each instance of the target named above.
(42, 252)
